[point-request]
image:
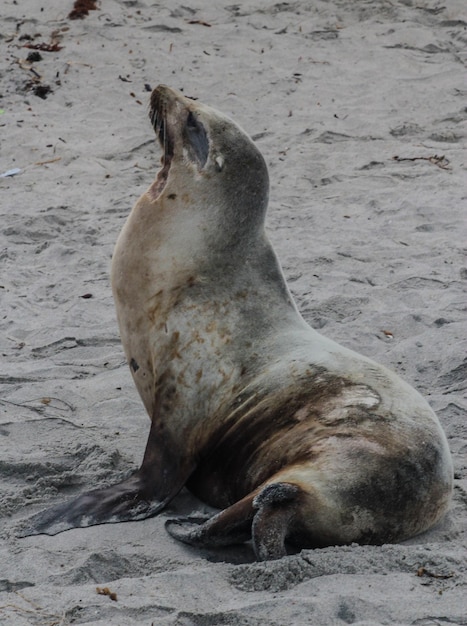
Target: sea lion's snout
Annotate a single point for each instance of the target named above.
(159, 106)
(160, 98)
(171, 114)
(162, 103)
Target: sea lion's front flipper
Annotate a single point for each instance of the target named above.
(122, 502)
(144, 494)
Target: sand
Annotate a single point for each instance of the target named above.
(359, 109)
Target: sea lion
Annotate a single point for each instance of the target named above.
(297, 439)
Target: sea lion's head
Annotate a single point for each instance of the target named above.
(209, 166)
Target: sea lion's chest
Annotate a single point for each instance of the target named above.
(182, 349)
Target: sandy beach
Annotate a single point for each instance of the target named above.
(359, 109)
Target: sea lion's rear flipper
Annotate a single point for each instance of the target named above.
(230, 526)
(148, 491)
(276, 508)
(265, 517)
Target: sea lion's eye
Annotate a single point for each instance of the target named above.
(191, 121)
(198, 143)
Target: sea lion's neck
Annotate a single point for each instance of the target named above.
(168, 241)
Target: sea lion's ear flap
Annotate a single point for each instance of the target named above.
(219, 161)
